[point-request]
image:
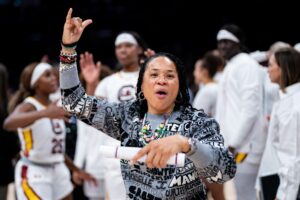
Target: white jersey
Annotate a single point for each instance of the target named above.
(118, 87)
(206, 98)
(44, 140)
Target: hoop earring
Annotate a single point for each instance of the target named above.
(141, 96)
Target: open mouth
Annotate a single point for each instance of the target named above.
(161, 94)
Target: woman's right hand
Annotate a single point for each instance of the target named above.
(56, 112)
(73, 28)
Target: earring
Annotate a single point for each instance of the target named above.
(141, 96)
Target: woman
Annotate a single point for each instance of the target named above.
(204, 72)
(118, 87)
(282, 154)
(162, 103)
(41, 173)
(9, 145)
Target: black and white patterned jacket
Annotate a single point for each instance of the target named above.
(210, 160)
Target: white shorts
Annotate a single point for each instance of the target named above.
(34, 181)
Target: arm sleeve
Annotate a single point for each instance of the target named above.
(288, 152)
(250, 81)
(212, 160)
(96, 112)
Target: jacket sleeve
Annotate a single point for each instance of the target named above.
(94, 111)
(212, 160)
(287, 146)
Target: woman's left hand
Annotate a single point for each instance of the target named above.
(159, 151)
(80, 175)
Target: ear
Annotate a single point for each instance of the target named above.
(140, 50)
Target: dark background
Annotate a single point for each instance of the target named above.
(30, 29)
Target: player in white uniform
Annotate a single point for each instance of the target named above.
(41, 173)
(206, 97)
(240, 108)
(118, 87)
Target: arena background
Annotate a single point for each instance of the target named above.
(30, 29)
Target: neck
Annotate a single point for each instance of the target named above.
(154, 111)
(207, 80)
(131, 68)
(234, 54)
(42, 98)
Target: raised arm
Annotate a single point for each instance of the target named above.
(91, 110)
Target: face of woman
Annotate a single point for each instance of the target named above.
(274, 70)
(196, 73)
(47, 83)
(160, 85)
(127, 53)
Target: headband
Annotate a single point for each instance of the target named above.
(226, 35)
(125, 37)
(38, 72)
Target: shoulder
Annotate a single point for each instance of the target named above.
(109, 78)
(211, 88)
(199, 119)
(25, 107)
(192, 114)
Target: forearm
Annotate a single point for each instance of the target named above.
(214, 163)
(70, 164)
(89, 109)
(68, 69)
(21, 120)
(212, 160)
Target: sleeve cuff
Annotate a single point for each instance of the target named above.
(201, 154)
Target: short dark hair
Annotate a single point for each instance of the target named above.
(239, 33)
(288, 59)
(211, 63)
(183, 96)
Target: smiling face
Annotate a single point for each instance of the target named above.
(160, 85)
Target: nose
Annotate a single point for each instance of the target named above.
(161, 80)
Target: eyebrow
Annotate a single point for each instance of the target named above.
(155, 69)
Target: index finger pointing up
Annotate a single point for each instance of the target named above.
(69, 15)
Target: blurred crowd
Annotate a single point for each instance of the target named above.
(252, 95)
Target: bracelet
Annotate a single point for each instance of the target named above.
(193, 146)
(68, 58)
(69, 46)
(66, 54)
